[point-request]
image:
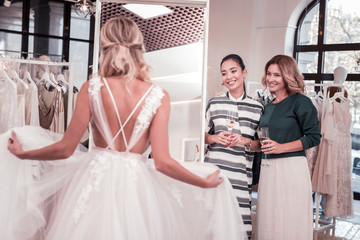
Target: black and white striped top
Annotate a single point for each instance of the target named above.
(235, 162)
(247, 110)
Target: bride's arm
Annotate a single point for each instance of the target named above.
(160, 151)
(67, 145)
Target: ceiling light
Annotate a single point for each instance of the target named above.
(7, 3)
(147, 11)
(84, 8)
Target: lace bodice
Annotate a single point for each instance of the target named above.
(152, 100)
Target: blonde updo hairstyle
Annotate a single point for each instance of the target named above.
(121, 50)
(294, 80)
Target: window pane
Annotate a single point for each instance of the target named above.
(80, 27)
(343, 21)
(11, 17)
(46, 17)
(353, 89)
(310, 90)
(45, 46)
(307, 62)
(79, 55)
(346, 59)
(10, 44)
(309, 27)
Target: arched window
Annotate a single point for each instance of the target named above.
(328, 36)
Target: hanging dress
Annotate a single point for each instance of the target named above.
(8, 102)
(332, 174)
(312, 153)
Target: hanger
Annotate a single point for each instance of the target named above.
(312, 94)
(320, 94)
(45, 77)
(13, 75)
(27, 77)
(6, 77)
(52, 78)
(339, 95)
(60, 78)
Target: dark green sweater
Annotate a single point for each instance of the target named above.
(293, 118)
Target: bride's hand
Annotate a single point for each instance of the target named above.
(213, 180)
(14, 145)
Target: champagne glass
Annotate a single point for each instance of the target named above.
(230, 120)
(264, 135)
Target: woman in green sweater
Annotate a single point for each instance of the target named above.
(284, 206)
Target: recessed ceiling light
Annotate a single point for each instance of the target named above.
(147, 11)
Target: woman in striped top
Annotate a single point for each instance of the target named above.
(230, 146)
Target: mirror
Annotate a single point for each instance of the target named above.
(175, 45)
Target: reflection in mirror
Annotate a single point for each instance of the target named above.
(174, 50)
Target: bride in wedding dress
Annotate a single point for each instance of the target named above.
(113, 191)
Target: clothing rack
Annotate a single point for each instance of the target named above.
(70, 66)
(321, 225)
(326, 85)
(33, 53)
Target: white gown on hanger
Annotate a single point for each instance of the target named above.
(107, 194)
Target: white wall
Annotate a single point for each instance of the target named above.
(230, 29)
(178, 70)
(184, 123)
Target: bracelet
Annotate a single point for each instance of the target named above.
(248, 147)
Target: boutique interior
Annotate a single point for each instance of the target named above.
(57, 42)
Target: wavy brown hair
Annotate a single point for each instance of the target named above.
(294, 80)
(121, 50)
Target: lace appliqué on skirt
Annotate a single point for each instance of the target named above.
(98, 166)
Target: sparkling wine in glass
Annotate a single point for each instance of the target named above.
(230, 121)
(264, 135)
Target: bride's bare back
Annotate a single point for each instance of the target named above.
(126, 102)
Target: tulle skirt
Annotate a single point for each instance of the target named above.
(103, 194)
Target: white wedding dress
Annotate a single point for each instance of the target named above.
(105, 194)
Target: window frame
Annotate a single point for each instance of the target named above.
(321, 47)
